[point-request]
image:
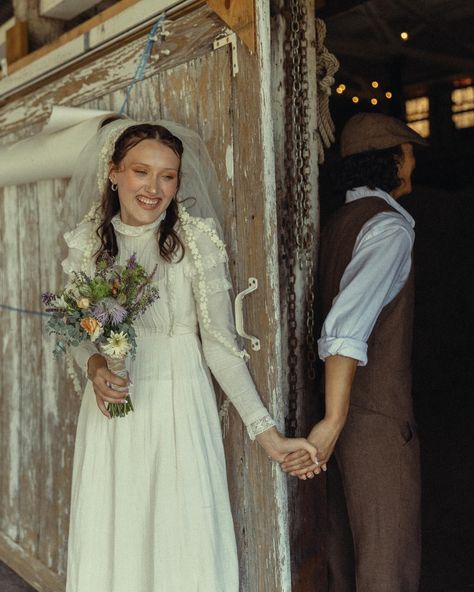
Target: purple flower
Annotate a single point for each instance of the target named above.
(132, 262)
(109, 310)
(47, 297)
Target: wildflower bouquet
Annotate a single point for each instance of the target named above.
(102, 309)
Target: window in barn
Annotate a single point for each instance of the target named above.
(6, 11)
(6, 21)
(417, 113)
(463, 105)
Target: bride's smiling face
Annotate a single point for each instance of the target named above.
(147, 180)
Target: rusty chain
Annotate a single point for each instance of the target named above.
(298, 233)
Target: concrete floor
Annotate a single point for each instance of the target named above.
(10, 582)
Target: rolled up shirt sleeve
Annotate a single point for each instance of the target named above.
(378, 270)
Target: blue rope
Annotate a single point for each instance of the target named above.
(140, 70)
(25, 311)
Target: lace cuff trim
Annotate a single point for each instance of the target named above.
(260, 426)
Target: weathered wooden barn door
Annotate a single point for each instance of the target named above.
(198, 86)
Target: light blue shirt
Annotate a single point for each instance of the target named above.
(380, 264)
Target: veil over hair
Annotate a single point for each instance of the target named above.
(199, 189)
(200, 212)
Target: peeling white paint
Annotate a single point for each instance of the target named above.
(229, 162)
(277, 406)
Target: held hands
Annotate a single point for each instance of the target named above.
(323, 436)
(278, 447)
(102, 379)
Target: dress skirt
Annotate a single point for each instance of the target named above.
(150, 506)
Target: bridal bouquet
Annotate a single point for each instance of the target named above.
(102, 309)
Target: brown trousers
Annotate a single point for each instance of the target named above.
(374, 506)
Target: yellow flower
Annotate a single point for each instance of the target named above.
(92, 327)
(83, 303)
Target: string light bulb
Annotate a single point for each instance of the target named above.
(339, 90)
(375, 84)
(388, 94)
(342, 87)
(404, 35)
(355, 99)
(373, 101)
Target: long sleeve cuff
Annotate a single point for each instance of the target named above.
(82, 353)
(343, 346)
(260, 425)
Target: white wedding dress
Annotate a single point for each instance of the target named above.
(150, 507)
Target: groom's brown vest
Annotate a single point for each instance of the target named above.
(384, 384)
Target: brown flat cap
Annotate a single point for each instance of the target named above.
(374, 131)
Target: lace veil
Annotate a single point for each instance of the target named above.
(199, 190)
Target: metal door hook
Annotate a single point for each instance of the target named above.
(239, 315)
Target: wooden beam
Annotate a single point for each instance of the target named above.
(16, 41)
(65, 9)
(29, 568)
(239, 15)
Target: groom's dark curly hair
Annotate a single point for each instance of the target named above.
(374, 168)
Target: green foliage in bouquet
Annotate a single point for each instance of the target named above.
(102, 308)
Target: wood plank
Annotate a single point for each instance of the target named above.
(59, 402)
(28, 567)
(307, 500)
(31, 368)
(214, 110)
(65, 9)
(191, 35)
(10, 360)
(178, 95)
(239, 15)
(265, 503)
(16, 40)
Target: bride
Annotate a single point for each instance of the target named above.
(150, 507)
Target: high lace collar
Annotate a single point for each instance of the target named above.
(128, 230)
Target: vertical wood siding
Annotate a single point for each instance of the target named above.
(38, 406)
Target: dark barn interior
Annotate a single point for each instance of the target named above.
(415, 61)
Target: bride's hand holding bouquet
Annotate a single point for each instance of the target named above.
(102, 309)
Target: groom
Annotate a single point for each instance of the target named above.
(366, 284)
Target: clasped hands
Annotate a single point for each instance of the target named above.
(303, 457)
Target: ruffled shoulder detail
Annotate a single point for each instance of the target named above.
(200, 237)
(82, 243)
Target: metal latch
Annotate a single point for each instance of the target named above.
(239, 315)
(226, 38)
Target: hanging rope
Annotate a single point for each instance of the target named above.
(153, 36)
(326, 66)
(24, 310)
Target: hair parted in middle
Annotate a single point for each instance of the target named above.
(168, 240)
(374, 168)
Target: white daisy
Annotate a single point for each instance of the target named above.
(117, 345)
